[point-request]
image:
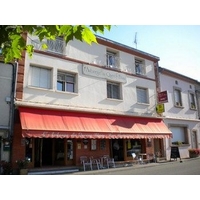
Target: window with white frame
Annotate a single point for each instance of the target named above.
(139, 67)
(177, 97)
(112, 60)
(142, 95)
(40, 77)
(66, 82)
(113, 90)
(192, 101)
(180, 135)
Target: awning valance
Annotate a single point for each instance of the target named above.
(42, 123)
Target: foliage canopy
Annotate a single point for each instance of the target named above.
(13, 40)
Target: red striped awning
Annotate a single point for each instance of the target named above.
(42, 123)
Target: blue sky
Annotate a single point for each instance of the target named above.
(177, 46)
(167, 29)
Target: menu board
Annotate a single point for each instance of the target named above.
(175, 153)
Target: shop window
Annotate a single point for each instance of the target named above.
(133, 146)
(29, 147)
(93, 144)
(69, 150)
(102, 144)
(59, 149)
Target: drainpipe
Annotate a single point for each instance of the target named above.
(13, 95)
(12, 105)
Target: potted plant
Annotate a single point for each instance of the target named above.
(157, 156)
(22, 166)
(193, 153)
(7, 168)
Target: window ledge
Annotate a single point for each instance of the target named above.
(65, 92)
(180, 145)
(39, 88)
(144, 104)
(111, 99)
(178, 106)
(193, 109)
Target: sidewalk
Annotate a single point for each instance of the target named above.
(132, 166)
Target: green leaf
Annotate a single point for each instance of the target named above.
(88, 36)
(30, 49)
(44, 46)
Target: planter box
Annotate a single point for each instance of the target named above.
(193, 155)
(23, 171)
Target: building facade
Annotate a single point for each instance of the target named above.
(181, 111)
(75, 99)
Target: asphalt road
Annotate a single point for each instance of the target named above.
(186, 167)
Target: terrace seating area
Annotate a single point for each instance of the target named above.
(90, 163)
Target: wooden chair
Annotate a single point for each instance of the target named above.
(86, 162)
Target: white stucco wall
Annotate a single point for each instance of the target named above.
(92, 90)
(96, 53)
(167, 83)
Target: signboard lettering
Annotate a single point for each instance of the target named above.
(162, 97)
(103, 73)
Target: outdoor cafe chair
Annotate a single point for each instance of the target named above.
(151, 157)
(109, 161)
(86, 162)
(96, 161)
(136, 159)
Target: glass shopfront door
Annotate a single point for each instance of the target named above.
(53, 152)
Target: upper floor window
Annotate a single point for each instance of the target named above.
(139, 67)
(112, 60)
(192, 101)
(40, 77)
(177, 97)
(142, 95)
(66, 82)
(113, 90)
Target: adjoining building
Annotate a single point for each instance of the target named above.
(180, 111)
(7, 88)
(77, 99)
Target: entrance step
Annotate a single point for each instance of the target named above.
(52, 171)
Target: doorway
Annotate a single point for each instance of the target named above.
(118, 149)
(158, 147)
(43, 152)
(194, 140)
(53, 152)
(47, 152)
